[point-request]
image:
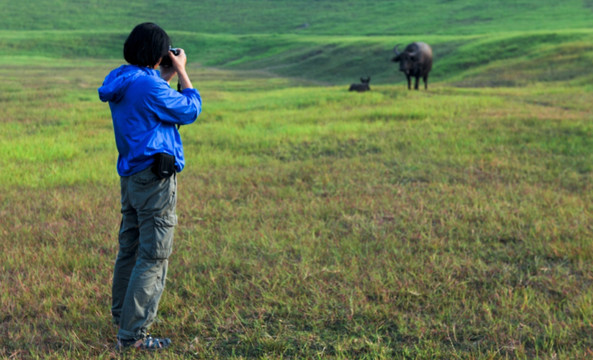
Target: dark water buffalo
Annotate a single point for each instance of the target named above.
(415, 61)
(363, 86)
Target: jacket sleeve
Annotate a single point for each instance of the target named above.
(172, 106)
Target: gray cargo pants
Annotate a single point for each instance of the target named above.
(145, 243)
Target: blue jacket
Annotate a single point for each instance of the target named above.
(145, 112)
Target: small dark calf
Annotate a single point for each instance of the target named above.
(364, 86)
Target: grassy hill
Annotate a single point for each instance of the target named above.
(306, 17)
(510, 58)
(332, 42)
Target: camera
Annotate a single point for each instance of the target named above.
(166, 62)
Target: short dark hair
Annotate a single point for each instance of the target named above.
(146, 44)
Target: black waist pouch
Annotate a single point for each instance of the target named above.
(164, 165)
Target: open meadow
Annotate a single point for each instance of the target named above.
(314, 222)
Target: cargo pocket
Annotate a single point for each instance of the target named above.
(144, 177)
(164, 227)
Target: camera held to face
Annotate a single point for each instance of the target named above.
(166, 62)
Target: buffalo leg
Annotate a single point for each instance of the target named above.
(416, 83)
(425, 82)
(409, 82)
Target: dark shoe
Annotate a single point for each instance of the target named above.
(147, 343)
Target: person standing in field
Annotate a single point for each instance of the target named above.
(146, 114)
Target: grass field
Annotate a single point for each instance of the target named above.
(314, 223)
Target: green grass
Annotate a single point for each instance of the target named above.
(343, 17)
(503, 59)
(344, 40)
(314, 223)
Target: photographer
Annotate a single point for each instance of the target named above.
(146, 114)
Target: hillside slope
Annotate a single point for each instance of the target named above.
(509, 59)
(311, 17)
(501, 43)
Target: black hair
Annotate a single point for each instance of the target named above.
(146, 44)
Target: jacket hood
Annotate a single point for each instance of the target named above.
(118, 80)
